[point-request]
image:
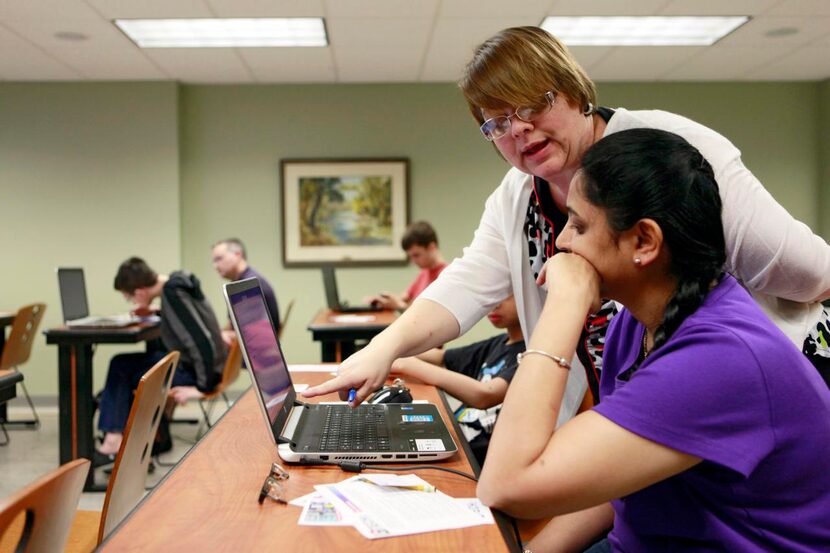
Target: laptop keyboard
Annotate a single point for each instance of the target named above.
(362, 428)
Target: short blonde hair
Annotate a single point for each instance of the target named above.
(517, 66)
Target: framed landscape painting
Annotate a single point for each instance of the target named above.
(344, 212)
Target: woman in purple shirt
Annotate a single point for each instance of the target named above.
(713, 431)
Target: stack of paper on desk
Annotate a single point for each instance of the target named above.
(382, 506)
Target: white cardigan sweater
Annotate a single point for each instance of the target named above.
(779, 259)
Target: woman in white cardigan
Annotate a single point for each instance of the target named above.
(538, 107)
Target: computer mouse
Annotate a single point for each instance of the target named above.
(391, 394)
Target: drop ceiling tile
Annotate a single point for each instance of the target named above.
(290, 65)
(105, 54)
(590, 56)
(33, 10)
(801, 7)
(641, 63)
(753, 33)
(535, 9)
(723, 63)
(151, 9)
(267, 8)
(374, 9)
(453, 42)
(378, 50)
(606, 7)
(200, 65)
(22, 61)
(810, 63)
(717, 7)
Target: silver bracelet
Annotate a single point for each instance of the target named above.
(562, 362)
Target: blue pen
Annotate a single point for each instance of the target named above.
(352, 394)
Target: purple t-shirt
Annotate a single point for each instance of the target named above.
(730, 388)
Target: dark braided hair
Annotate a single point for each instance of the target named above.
(653, 174)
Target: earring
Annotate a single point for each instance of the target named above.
(637, 261)
(589, 109)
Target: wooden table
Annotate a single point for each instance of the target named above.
(208, 502)
(337, 338)
(75, 395)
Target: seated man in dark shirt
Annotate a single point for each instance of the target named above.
(188, 325)
(478, 375)
(231, 261)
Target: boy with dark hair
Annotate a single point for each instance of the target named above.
(478, 375)
(420, 242)
(419, 233)
(188, 325)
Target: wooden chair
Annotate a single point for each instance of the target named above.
(230, 372)
(18, 348)
(38, 517)
(129, 474)
(285, 318)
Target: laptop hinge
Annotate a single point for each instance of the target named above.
(291, 425)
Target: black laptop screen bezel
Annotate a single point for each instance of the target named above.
(330, 284)
(63, 273)
(242, 286)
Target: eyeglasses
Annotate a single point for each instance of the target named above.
(272, 488)
(496, 127)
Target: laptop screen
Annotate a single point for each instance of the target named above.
(330, 284)
(73, 294)
(260, 344)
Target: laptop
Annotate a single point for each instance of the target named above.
(308, 433)
(74, 304)
(333, 298)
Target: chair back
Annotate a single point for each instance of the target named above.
(231, 370)
(285, 318)
(129, 474)
(24, 328)
(43, 509)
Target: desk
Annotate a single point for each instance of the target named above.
(75, 406)
(208, 502)
(6, 319)
(337, 338)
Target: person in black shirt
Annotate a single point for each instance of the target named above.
(230, 260)
(188, 325)
(478, 375)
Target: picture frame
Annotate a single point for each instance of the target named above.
(344, 212)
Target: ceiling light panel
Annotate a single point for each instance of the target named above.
(225, 33)
(642, 31)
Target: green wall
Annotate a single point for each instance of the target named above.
(176, 168)
(775, 125)
(89, 175)
(234, 136)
